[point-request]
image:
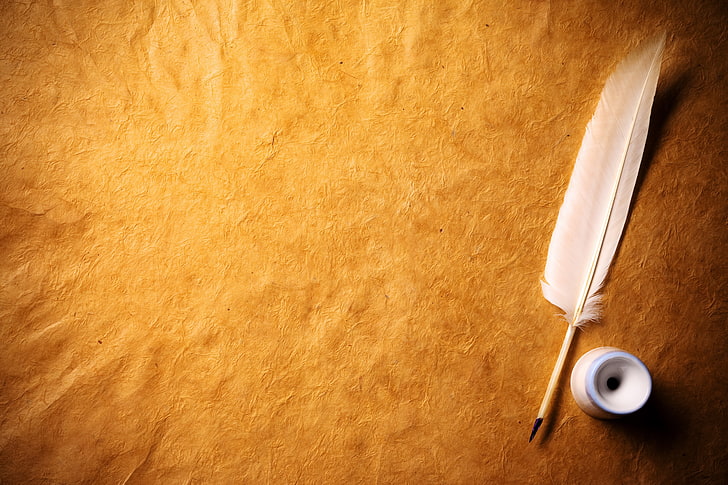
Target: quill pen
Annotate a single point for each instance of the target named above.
(597, 200)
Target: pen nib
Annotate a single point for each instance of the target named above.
(536, 425)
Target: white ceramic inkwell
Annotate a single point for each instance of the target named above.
(609, 383)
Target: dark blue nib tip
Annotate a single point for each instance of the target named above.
(536, 425)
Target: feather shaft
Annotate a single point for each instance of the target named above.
(596, 204)
(553, 381)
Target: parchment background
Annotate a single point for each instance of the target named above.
(301, 242)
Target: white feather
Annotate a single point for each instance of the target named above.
(596, 204)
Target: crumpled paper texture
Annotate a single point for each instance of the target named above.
(301, 242)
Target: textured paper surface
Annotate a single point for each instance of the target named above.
(300, 242)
